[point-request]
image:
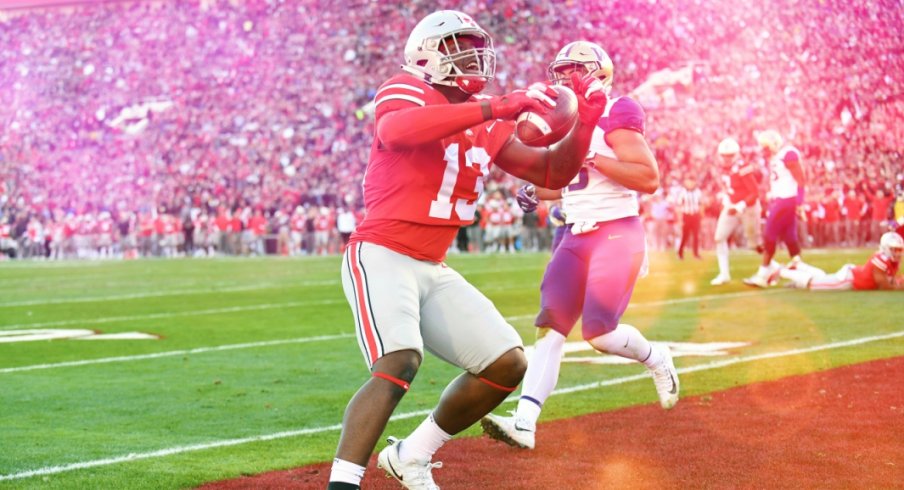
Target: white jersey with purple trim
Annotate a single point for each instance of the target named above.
(591, 196)
(782, 184)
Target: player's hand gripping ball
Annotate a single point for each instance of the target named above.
(534, 129)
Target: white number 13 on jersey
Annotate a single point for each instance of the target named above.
(441, 207)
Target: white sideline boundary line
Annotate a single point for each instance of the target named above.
(278, 342)
(157, 355)
(51, 470)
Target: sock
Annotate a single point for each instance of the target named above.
(528, 410)
(423, 443)
(722, 257)
(346, 472)
(542, 373)
(626, 341)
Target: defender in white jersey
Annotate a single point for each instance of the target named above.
(593, 271)
(786, 192)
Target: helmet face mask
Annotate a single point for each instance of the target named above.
(589, 58)
(449, 48)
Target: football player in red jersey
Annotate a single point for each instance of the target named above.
(435, 142)
(879, 272)
(740, 206)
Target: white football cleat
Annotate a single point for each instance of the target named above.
(411, 474)
(757, 281)
(665, 377)
(720, 280)
(514, 431)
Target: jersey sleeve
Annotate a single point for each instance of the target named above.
(625, 113)
(400, 92)
(791, 156)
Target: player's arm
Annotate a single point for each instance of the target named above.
(406, 122)
(792, 162)
(635, 166)
(549, 194)
(886, 283)
(555, 166)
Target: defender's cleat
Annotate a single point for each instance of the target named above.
(514, 431)
(411, 474)
(665, 377)
(720, 280)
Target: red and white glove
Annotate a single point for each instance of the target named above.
(592, 98)
(539, 98)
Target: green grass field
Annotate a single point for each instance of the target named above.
(257, 358)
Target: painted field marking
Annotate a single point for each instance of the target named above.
(171, 292)
(52, 470)
(150, 316)
(157, 355)
(258, 344)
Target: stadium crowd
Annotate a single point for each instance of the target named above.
(160, 128)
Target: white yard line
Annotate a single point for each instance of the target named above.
(51, 470)
(157, 355)
(152, 316)
(172, 292)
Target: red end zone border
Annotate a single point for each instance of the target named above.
(842, 428)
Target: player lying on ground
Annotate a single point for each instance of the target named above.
(879, 272)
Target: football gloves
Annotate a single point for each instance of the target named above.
(592, 98)
(527, 198)
(539, 98)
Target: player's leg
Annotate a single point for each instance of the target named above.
(843, 279)
(561, 301)
(781, 213)
(725, 226)
(613, 270)
(382, 289)
(463, 327)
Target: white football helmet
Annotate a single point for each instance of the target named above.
(770, 139)
(729, 147)
(593, 57)
(889, 243)
(433, 49)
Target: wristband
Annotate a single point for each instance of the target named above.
(486, 110)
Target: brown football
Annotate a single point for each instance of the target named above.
(543, 130)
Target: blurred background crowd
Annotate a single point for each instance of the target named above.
(211, 127)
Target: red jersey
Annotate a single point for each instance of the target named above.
(863, 274)
(741, 183)
(417, 198)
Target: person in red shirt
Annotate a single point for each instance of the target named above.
(257, 225)
(832, 218)
(435, 142)
(853, 209)
(740, 207)
(879, 272)
(880, 205)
